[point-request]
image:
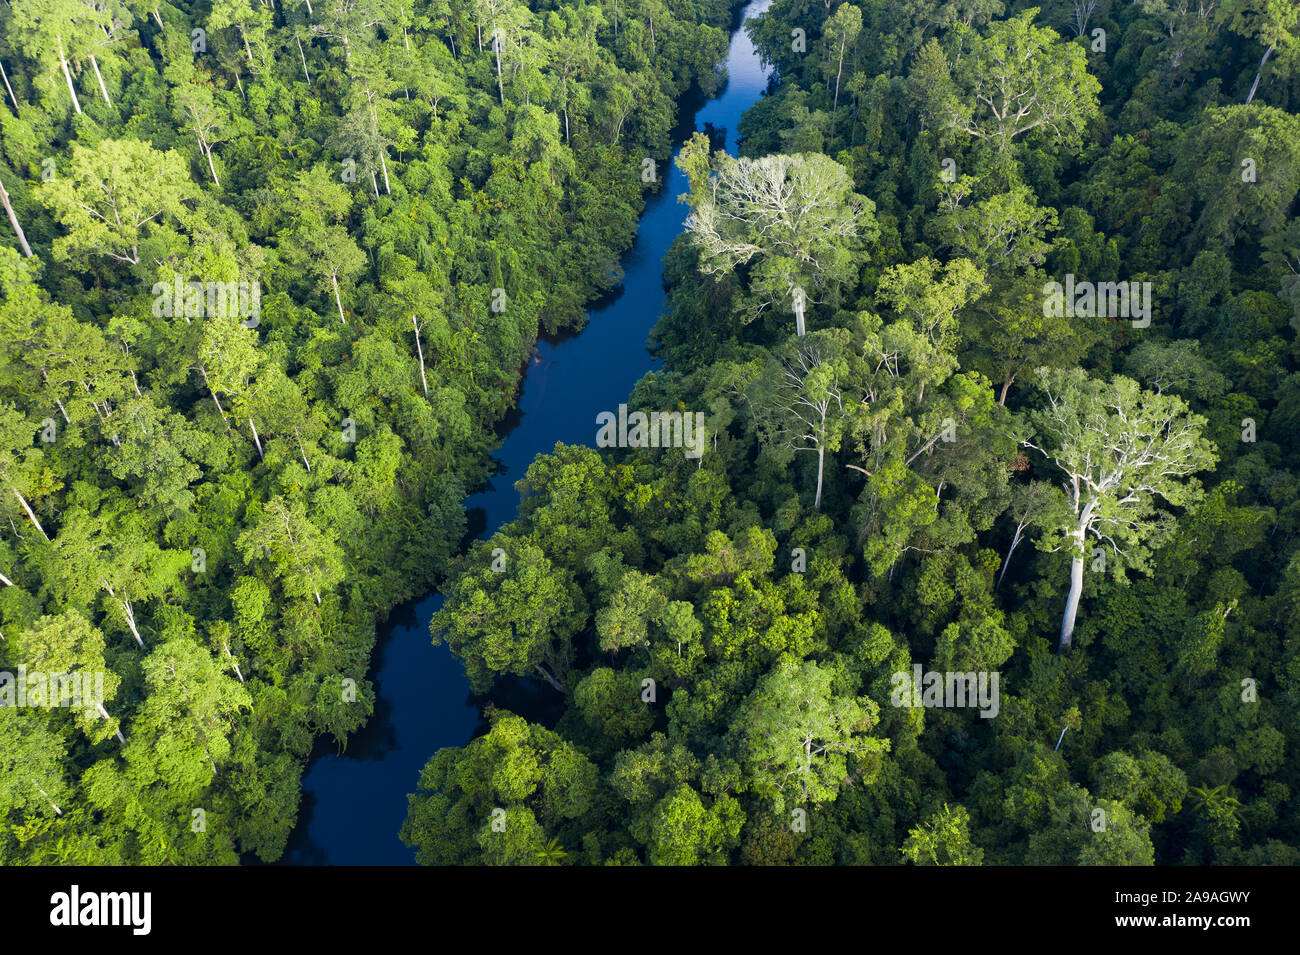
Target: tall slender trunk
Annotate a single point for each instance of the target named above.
(247, 49)
(13, 221)
(12, 98)
(821, 458)
(100, 76)
(420, 351)
(835, 106)
(302, 56)
(1072, 602)
(798, 316)
(6, 581)
(496, 45)
(67, 75)
(1078, 537)
(1015, 542)
(374, 183)
(338, 301)
(233, 661)
(1006, 386)
(30, 513)
(566, 125)
(548, 678)
(220, 410)
(302, 451)
(56, 809)
(384, 167)
(211, 168)
(104, 714)
(157, 18)
(256, 440)
(129, 613)
(1255, 86)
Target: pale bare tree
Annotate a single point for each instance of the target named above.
(796, 218)
(1120, 448)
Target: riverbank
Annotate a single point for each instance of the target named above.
(354, 803)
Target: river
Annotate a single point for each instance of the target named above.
(354, 803)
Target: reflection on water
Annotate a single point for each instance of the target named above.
(354, 803)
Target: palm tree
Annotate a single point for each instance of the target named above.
(1217, 800)
(551, 854)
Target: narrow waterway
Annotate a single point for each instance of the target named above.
(354, 804)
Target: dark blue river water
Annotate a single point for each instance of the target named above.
(354, 803)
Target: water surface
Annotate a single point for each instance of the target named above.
(354, 803)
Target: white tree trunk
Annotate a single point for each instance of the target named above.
(211, 168)
(1255, 86)
(104, 713)
(256, 440)
(1015, 542)
(13, 221)
(129, 613)
(838, 72)
(1072, 601)
(221, 411)
(12, 98)
(420, 351)
(821, 458)
(548, 678)
(384, 166)
(496, 45)
(67, 75)
(233, 662)
(302, 56)
(27, 507)
(100, 76)
(338, 301)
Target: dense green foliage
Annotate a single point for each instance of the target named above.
(213, 512)
(986, 473)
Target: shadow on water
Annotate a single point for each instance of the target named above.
(354, 802)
